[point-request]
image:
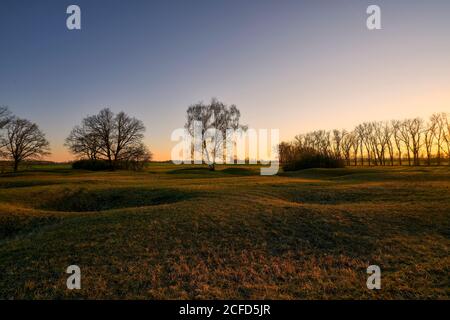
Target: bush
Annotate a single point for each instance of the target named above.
(94, 165)
(313, 160)
(130, 165)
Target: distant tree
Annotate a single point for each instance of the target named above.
(388, 134)
(379, 142)
(135, 156)
(338, 136)
(446, 134)
(396, 134)
(102, 127)
(217, 116)
(83, 143)
(110, 137)
(417, 129)
(437, 121)
(347, 144)
(286, 152)
(359, 131)
(355, 146)
(406, 138)
(310, 151)
(366, 131)
(429, 136)
(24, 140)
(5, 118)
(376, 141)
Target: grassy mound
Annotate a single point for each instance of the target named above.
(23, 222)
(83, 200)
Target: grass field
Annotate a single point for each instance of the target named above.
(174, 232)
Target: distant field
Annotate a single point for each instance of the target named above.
(174, 232)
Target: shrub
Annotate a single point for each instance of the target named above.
(130, 165)
(101, 165)
(313, 160)
(94, 165)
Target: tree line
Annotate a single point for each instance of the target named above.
(116, 140)
(378, 143)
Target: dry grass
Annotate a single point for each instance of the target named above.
(176, 233)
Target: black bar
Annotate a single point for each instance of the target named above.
(226, 309)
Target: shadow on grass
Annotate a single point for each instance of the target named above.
(13, 225)
(204, 172)
(193, 171)
(309, 230)
(83, 200)
(332, 194)
(372, 174)
(240, 171)
(8, 184)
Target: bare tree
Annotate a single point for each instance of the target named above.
(416, 131)
(128, 135)
(359, 130)
(24, 141)
(387, 136)
(218, 117)
(429, 135)
(5, 117)
(136, 155)
(397, 135)
(405, 137)
(376, 141)
(355, 146)
(83, 143)
(365, 131)
(347, 144)
(337, 142)
(287, 151)
(105, 136)
(102, 127)
(379, 142)
(321, 141)
(437, 120)
(446, 134)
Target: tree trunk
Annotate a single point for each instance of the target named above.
(399, 157)
(16, 166)
(439, 155)
(362, 154)
(111, 164)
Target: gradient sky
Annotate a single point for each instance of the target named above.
(293, 65)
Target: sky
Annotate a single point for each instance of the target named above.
(290, 65)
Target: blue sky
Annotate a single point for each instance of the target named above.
(292, 65)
